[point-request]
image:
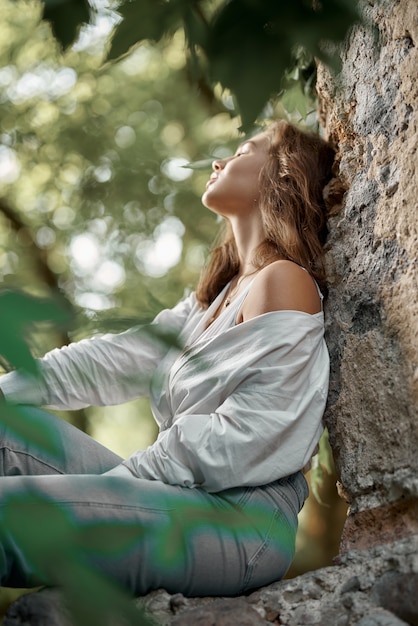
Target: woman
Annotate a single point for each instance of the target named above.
(213, 503)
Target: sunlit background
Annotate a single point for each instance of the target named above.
(96, 200)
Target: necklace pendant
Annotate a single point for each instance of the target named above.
(227, 302)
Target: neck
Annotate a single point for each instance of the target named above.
(248, 235)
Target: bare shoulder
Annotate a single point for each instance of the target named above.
(282, 285)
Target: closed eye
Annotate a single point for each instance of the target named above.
(244, 148)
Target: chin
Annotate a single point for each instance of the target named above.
(212, 208)
(206, 201)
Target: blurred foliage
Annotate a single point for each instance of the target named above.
(60, 551)
(228, 42)
(320, 523)
(25, 425)
(102, 165)
(91, 167)
(322, 464)
(66, 17)
(95, 200)
(18, 310)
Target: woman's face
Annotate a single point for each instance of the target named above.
(233, 188)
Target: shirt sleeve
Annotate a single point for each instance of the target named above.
(266, 428)
(106, 370)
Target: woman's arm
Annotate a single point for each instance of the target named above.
(106, 370)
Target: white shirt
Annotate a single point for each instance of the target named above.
(242, 404)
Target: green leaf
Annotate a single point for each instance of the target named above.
(66, 17)
(325, 453)
(316, 481)
(15, 350)
(294, 99)
(92, 599)
(25, 423)
(143, 20)
(109, 539)
(203, 164)
(51, 543)
(49, 528)
(322, 463)
(238, 48)
(196, 32)
(252, 44)
(165, 335)
(18, 311)
(249, 45)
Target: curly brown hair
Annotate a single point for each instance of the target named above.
(292, 206)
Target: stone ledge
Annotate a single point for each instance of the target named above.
(375, 587)
(380, 525)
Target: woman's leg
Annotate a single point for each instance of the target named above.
(146, 535)
(73, 452)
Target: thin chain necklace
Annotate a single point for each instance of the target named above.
(231, 295)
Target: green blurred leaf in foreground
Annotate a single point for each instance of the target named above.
(66, 17)
(24, 422)
(18, 311)
(58, 551)
(145, 20)
(244, 46)
(252, 44)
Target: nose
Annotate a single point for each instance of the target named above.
(218, 164)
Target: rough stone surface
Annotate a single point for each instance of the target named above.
(374, 587)
(38, 609)
(370, 112)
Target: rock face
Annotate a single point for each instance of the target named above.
(383, 593)
(375, 587)
(370, 112)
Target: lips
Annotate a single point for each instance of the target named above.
(211, 180)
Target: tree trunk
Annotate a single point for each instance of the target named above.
(370, 112)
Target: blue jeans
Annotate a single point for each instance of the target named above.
(157, 535)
